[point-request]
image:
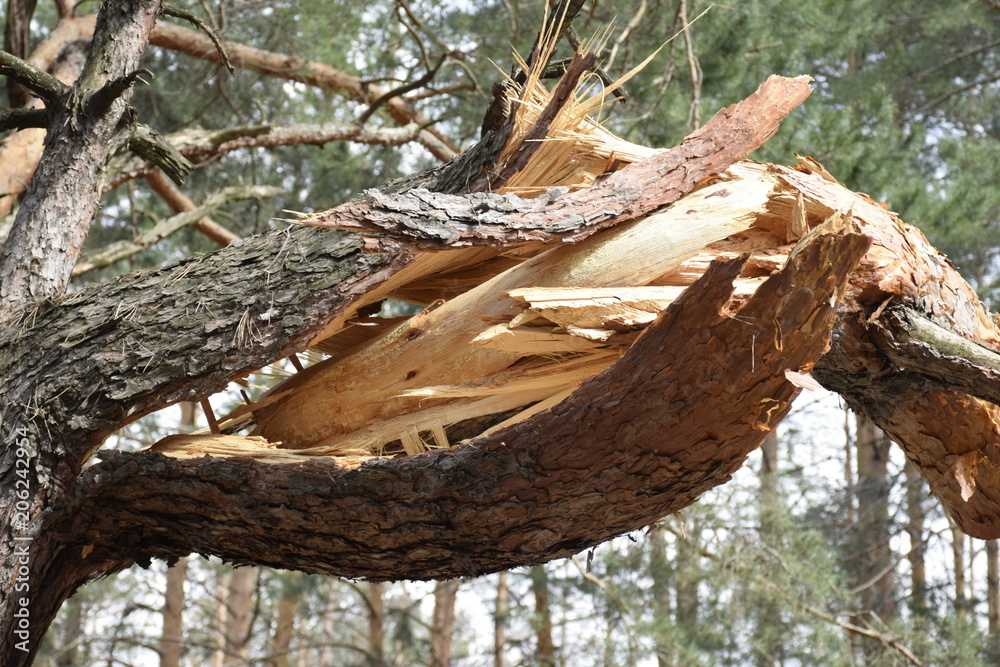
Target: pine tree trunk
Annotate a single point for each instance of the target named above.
(376, 623)
(71, 655)
(770, 628)
(545, 649)
(284, 627)
(958, 540)
(993, 600)
(172, 633)
(443, 623)
(500, 614)
(240, 607)
(916, 492)
(659, 571)
(687, 574)
(872, 564)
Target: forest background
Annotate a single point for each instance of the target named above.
(826, 548)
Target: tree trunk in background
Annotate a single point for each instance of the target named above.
(659, 571)
(239, 620)
(288, 605)
(688, 575)
(849, 480)
(500, 620)
(376, 622)
(545, 655)
(993, 600)
(916, 491)
(172, 634)
(325, 653)
(221, 619)
(443, 623)
(958, 565)
(770, 629)
(871, 566)
(71, 654)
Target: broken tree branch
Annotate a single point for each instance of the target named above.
(419, 220)
(149, 144)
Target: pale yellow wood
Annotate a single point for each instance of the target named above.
(334, 400)
(531, 340)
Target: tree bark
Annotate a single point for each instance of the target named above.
(872, 561)
(375, 597)
(770, 628)
(958, 539)
(284, 626)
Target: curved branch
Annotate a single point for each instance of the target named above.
(191, 17)
(43, 84)
(594, 466)
(199, 144)
(311, 73)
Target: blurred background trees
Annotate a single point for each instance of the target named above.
(825, 549)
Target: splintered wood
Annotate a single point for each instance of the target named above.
(521, 340)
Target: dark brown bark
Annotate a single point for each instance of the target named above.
(418, 221)
(531, 492)
(439, 514)
(309, 279)
(443, 622)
